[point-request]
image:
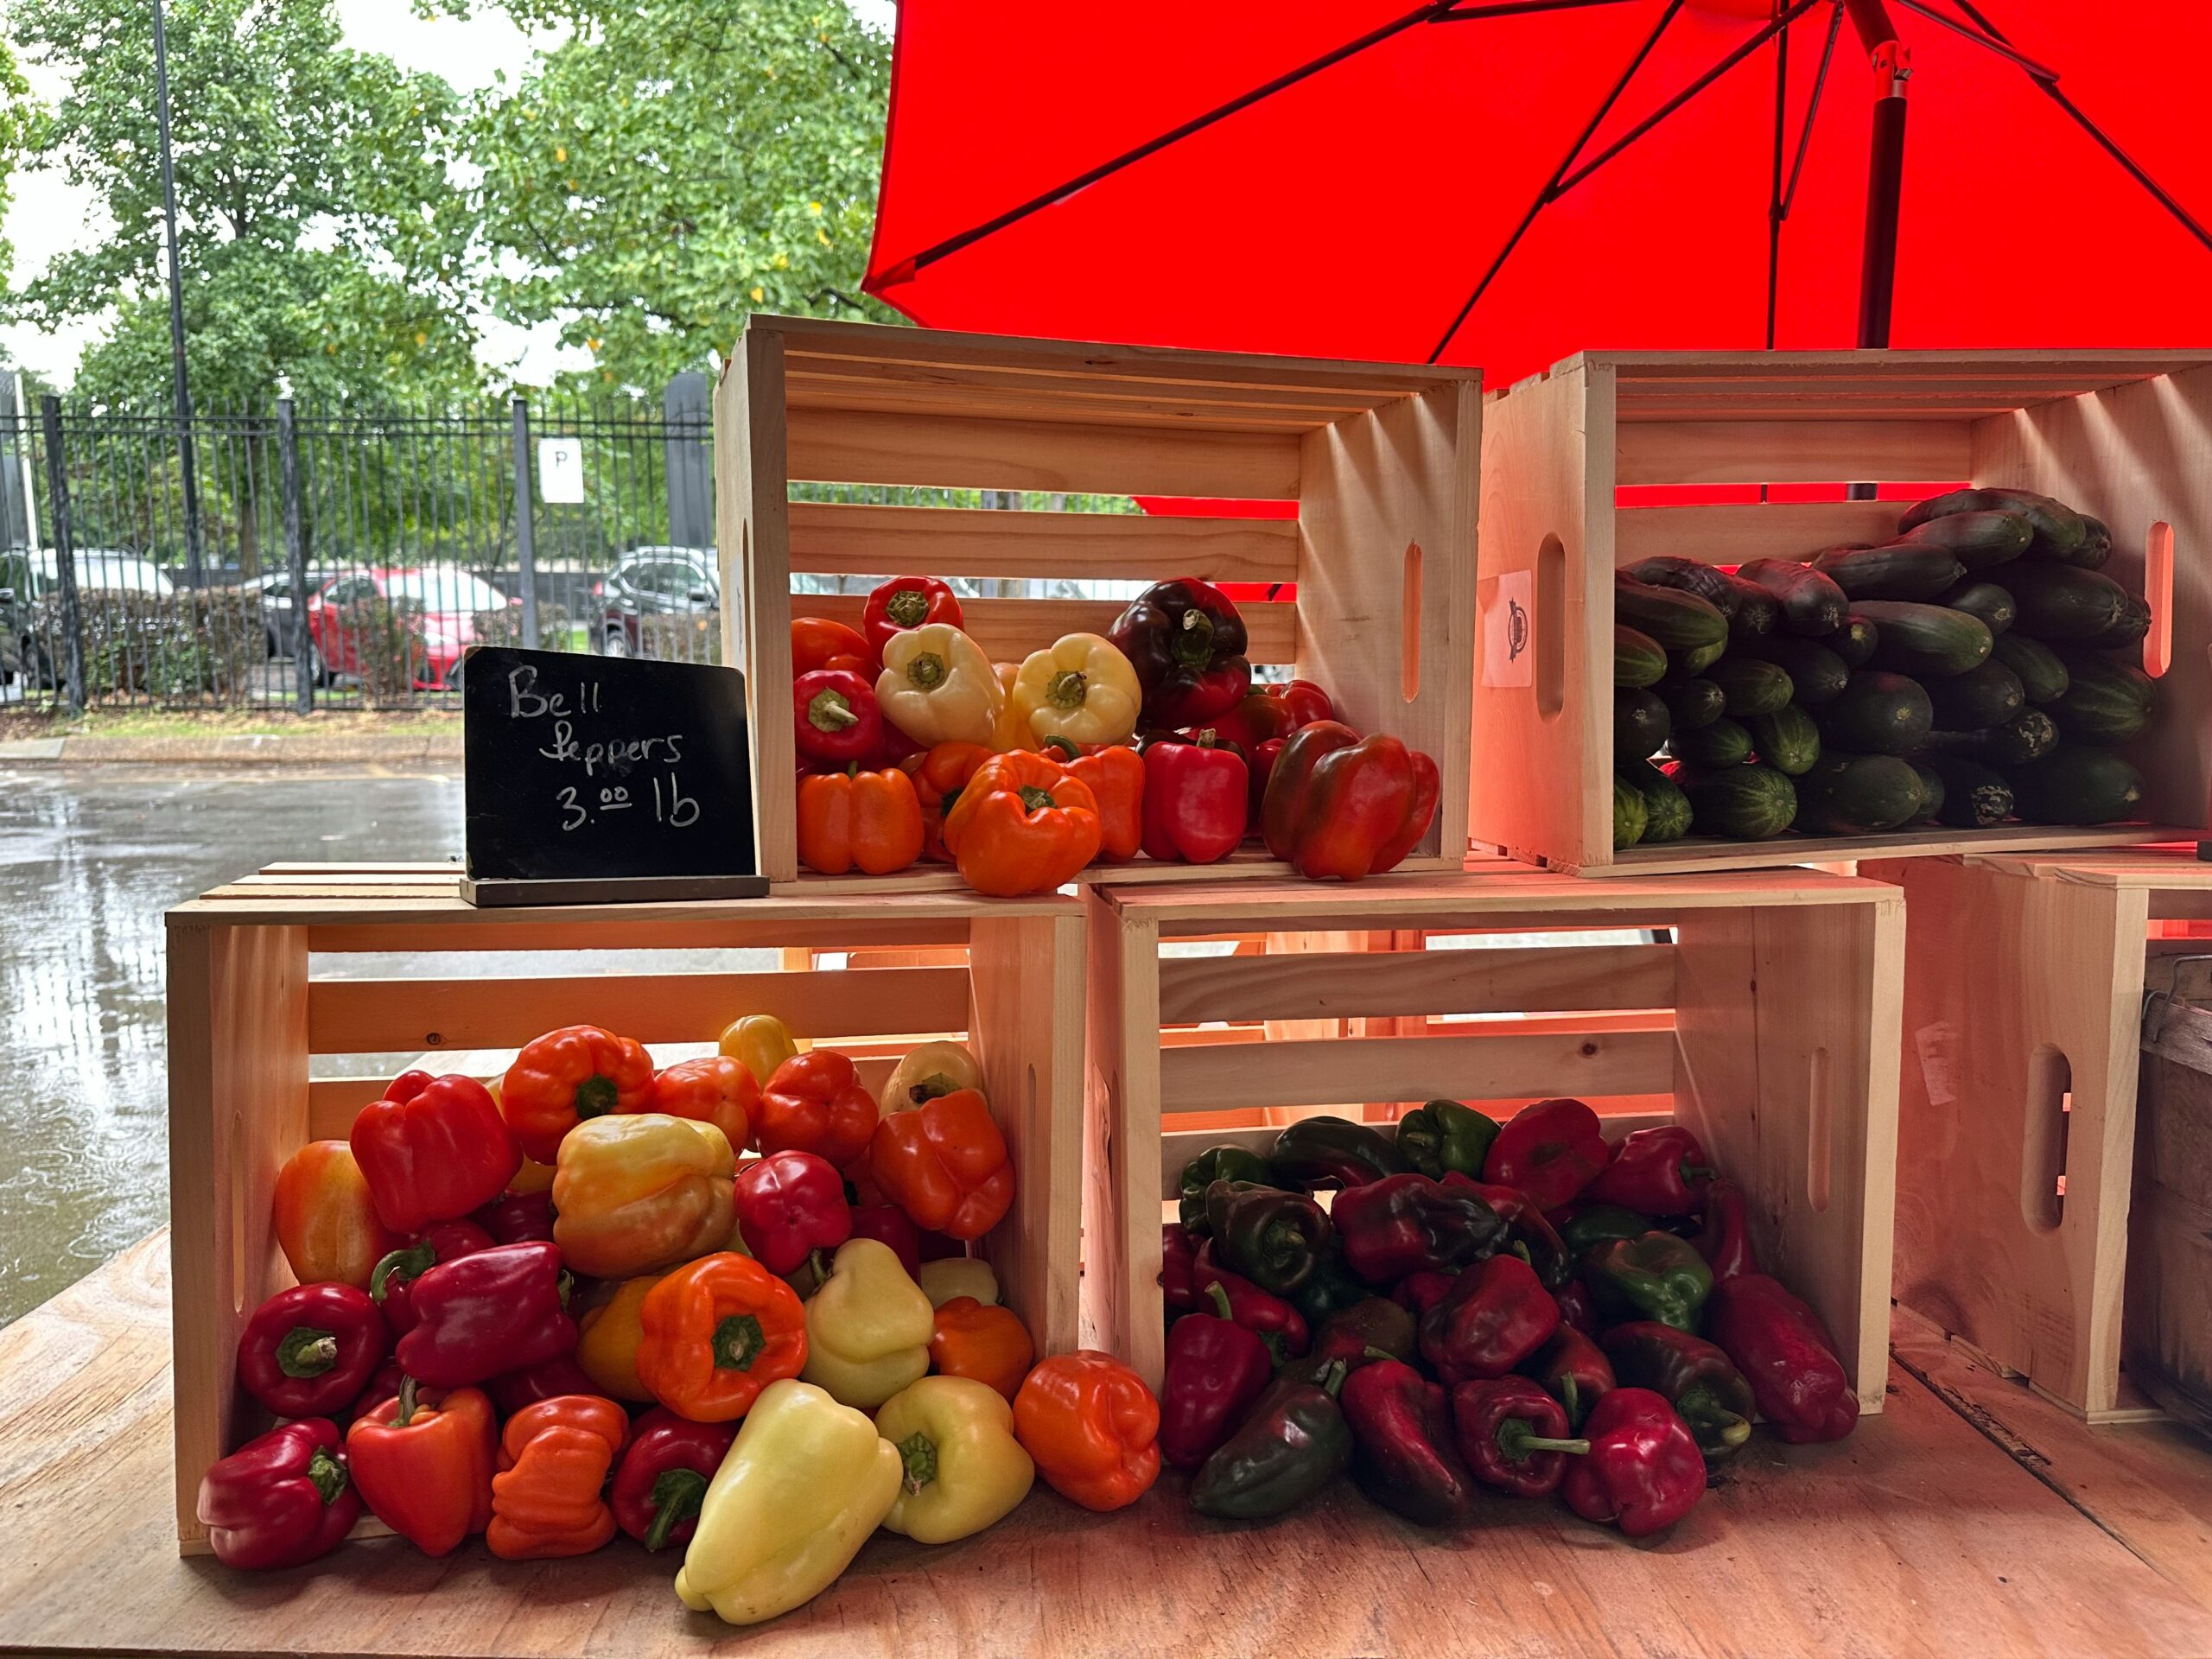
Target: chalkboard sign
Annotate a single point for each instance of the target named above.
(597, 779)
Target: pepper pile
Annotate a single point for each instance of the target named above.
(1150, 739)
(558, 1307)
(1519, 1307)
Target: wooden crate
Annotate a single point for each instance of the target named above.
(2124, 434)
(1767, 1022)
(2024, 1002)
(1378, 461)
(250, 1018)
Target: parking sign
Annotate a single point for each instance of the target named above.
(560, 471)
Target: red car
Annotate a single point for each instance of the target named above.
(438, 608)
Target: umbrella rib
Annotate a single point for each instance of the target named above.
(1774, 187)
(1520, 8)
(1812, 109)
(1988, 39)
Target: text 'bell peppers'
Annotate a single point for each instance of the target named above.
(309, 1351)
(1443, 1136)
(928, 1072)
(714, 1332)
(1224, 1163)
(608, 1333)
(1642, 1473)
(1658, 1172)
(963, 1468)
(1341, 806)
(1403, 1224)
(816, 1103)
(982, 1342)
(1725, 1240)
(1658, 1276)
(1080, 688)
(1787, 1356)
(1404, 1454)
(1551, 1151)
(1702, 1384)
(639, 1192)
(424, 1462)
(1021, 826)
(662, 1477)
(325, 1220)
(1276, 1322)
(1092, 1427)
(907, 603)
(1293, 1442)
(1115, 778)
(789, 1205)
(281, 1500)
(836, 722)
(1185, 640)
(1573, 1369)
(1323, 1151)
(944, 1163)
(566, 1078)
(938, 687)
(392, 1281)
(855, 820)
(1216, 1369)
(1496, 1313)
(498, 1310)
(1195, 800)
(432, 1149)
(548, 1499)
(939, 774)
(759, 1043)
(805, 1483)
(868, 1328)
(1513, 1435)
(1273, 1237)
(713, 1089)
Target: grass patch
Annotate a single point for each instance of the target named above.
(18, 725)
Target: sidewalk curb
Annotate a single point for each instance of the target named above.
(441, 748)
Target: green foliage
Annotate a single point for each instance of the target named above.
(19, 119)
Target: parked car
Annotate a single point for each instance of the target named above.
(29, 577)
(439, 606)
(274, 588)
(654, 582)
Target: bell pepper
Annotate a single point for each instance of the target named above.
(640, 1191)
(963, 1468)
(1659, 1171)
(1273, 1237)
(789, 1205)
(1092, 1426)
(1404, 1456)
(1021, 826)
(325, 1220)
(1304, 701)
(1527, 1233)
(869, 821)
(981, 1341)
(307, 1351)
(566, 1078)
(526, 1385)
(1586, 1227)
(1332, 1288)
(1419, 1291)
(819, 642)
(1374, 1328)
(1342, 806)
(944, 1163)
(947, 1279)
(886, 1223)
(423, 1464)
(1642, 1473)
(1262, 767)
(1702, 1383)
(714, 1332)
(938, 687)
(1224, 1163)
(1787, 1356)
(816, 1103)
(1195, 800)
(1513, 1435)
(518, 1217)
(715, 1089)
(1274, 1320)
(928, 1072)
(1178, 1255)
(281, 1500)
(663, 1475)
(759, 1043)
(1402, 1224)
(1257, 717)
(1216, 1369)
(1186, 641)
(498, 1310)
(391, 1283)
(1496, 1313)
(383, 1384)
(547, 1499)
(1577, 1308)
(608, 1335)
(805, 1481)
(1573, 1369)
(1445, 1135)
(835, 719)
(1115, 778)
(432, 1149)
(907, 603)
(1656, 1277)
(1725, 1240)
(1551, 1151)
(1320, 1152)
(1292, 1444)
(868, 1328)
(1080, 689)
(939, 774)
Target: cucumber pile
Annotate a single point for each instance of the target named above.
(1980, 667)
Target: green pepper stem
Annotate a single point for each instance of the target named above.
(908, 607)
(1067, 688)
(1372, 1352)
(1519, 1442)
(926, 671)
(405, 1414)
(936, 1086)
(675, 1498)
(738, 1342)
(327, 1474)
(1333, 1378)
(305, 1352)
(595, 1097)
(409, 1261)
(830, 711)
(1036, 800)
(919, 1452)
(1066, 745)
(1192, 645)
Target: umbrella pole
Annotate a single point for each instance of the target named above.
(1877, 269)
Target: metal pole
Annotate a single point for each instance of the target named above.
(295, 552)
(188, 468)
(64, 557)
(1878, 271)
(525, 544)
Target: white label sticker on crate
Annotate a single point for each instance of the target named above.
(1933, 1044)
(1503, 604)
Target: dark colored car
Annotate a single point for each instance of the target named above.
(654, 582)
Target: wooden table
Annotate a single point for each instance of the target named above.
(1969, 1518)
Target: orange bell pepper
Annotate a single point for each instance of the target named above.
(816, 1103)
(422, 1461)
(567, 1076)
(1021, 826)
(554, 1458)
(872, 819)
(940, 772)
(1091, 1426)
(1116, 775)
(945, 1164)
(819, 643)
(717, 1332)
(326, 1222)
(717, 1089)
(641, 1191)
(981, 1341)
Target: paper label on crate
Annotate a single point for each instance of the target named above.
(1503, 605)
(1933, 1044)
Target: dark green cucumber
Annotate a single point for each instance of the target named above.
(1630, 816)
(1854, 641)
(1694, 702)
(2058, 602)
(1723, 743)
(1756, 616)
(1638, 659)
(1693, 660)
(1925, 639)
(2042, 674)
(2097, 546)
(2028, 735)
(1811, 604)
(1688, 576)
(1858, 795)
(1986, 600)
(2105, 703)
(1743, 803)
(1641, 724)
(2075, 784)
(1787, 739)
(1751, 685)
(1981, 697)
(2058, 531)
(1666, 809)
(1902, 571)
(1931, 793)
(1878, 713)
(2127, 633)
(1977, 540)
(1974, 796)
(1817, 673)
(1679, 622)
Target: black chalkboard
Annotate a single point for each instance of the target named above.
(593, 778)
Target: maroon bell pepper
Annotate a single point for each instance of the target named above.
(504, 1309)
(1787, 1356)
(1403, 1224)
(1725, 1239)
(1186, 643)
(391, 1281)
(1527, 1234)
(518, 1217)
(1178, 1255)
(1573, 1369)
(1659, 1171)
(1702, 1384)
(1551, 1151)
(547, 1380)
(887, 1224)
(383, 1384)
(280, 1500)
(1196, 799)
(1404, 1454)
(1271, 1318)
(1513, 1435)
(1643, 1472)
(1216, 1369)
(1576, 1307)
(1497, 1314)
(1342, 806)
(664, 1474)
(1376, 1328)
(1419, 1292)
(309, 1351)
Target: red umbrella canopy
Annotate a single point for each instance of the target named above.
(1354, 212)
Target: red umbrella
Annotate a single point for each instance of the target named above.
(1503, 181)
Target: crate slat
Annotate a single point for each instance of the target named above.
(1730, 535)
(1009, 629)
(1792, 451)
(841, 538)
(1343, 984)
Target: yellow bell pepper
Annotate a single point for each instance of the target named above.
(607, 1334)
(868, 1327)
(1013, 729)
(1081, 689)
(796, 1494)
(963, 1468)
(928, 1071)
(638, 1191)
(959, 1275)
(938, 687)
(759, 1043)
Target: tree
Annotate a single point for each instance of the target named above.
(17, 118)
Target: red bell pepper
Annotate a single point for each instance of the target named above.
(1787, 1356)
(383, 1384)
(664, 1474)
(391, 1281)
(1529, 1233)
(1643, 1472)
(433, 1149)
(888, 1225)
(1304, 703)
(1513, 1435)
(1259, 717)
(1371, 1329)
(1179, 1255)
(835, 721)
(281, 1500)
(1195, 799)
(1343, 806)
(815, 1103)
(1403, 1224)
(1419, 1291)
(1273, 1320)
(1551, 1151)
(503, 1309)
(1497, 1314)
(789, 1205)
(309, 1351)
(547, 1380)
(906, 602)
(1216, 1369)
(1577, 1308)
(1261, 768)
(1574, 1371)
(1658, 1172)
(1186, 642)
(423, 1462)
(518, 1217)
(1725, 1240)
(817, 643)
(1404, 1456)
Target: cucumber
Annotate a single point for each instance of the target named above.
(1858, 795)
(1679, 622)
(1688, 576)
(1854, 641)
(1689, 662)
(1630, 816)
(1751, 686)
(1743, 803)
(1931, 793)
(2059, 602)
(1640, 724)
(1974, 796)
(2058, 531)
(2127, 633)
(1724, 743)
(1638, 659)
(1817, 674)
(2028, 735)
(2105, 703)
(1666, 809)
(1694, 702)
(1926, 639)
(2074, 784)
(1981, 697)
(1811, 604)
(2042, 674)
(1756, 615)
(1879, 714)
(2097, 546)
(1986, 600)
(1977, 540)
(1787, 739)
(1902, 571)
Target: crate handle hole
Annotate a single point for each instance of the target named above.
(1550, 627)
(1820, 1131)
(1409, 627)
(2158, 594)
(2042, 1148)
(237, 1210)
